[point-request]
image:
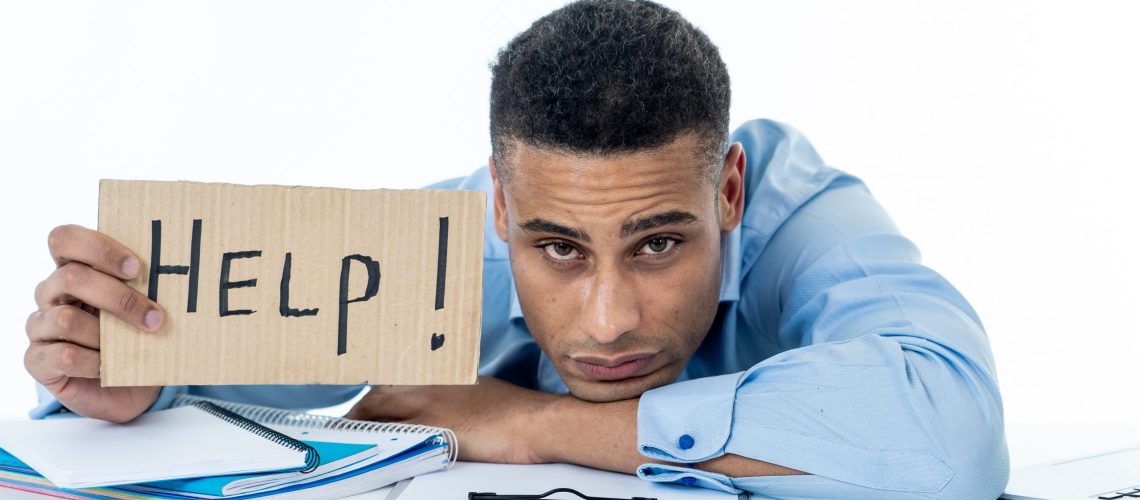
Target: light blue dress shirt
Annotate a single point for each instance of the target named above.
(835, 351)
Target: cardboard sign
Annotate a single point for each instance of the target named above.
(297, 285)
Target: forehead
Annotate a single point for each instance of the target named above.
(595, 190)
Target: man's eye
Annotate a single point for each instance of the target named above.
(658, 245)
(560, 251)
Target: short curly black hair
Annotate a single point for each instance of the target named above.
(599, 77)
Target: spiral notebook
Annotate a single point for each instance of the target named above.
(203, 448)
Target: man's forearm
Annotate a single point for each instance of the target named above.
(604, 436)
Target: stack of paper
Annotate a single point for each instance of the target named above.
(189, 453)
(177, 443)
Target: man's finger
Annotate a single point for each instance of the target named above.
(50, 363)
(78, 282)
(72, 243)
(64, 323)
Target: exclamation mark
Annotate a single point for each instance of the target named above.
(440, 278)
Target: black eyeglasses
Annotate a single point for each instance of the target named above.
(495, 496)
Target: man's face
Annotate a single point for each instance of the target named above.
(616, 259)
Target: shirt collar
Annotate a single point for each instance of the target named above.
(729, 273)
(516, 309)
(730, 260)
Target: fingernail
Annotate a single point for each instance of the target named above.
(152, 319)
(130, 266)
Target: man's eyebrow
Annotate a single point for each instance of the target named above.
(654, 221)
(545, 226)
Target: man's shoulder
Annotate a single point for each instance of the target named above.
(783, 172)
(783, 165)
(478, 180)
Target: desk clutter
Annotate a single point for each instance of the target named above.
(204, 448)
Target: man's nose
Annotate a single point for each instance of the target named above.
(610, 308)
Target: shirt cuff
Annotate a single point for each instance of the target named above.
(47, 404)
(685, 476)
(166, 397)
(689, 421)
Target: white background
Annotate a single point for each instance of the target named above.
(1001, 136)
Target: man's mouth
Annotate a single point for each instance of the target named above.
(617, 368)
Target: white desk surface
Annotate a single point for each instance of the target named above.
(1028, 444)
(1035, 443)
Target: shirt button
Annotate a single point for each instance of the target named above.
(685, 442)
(688, 480)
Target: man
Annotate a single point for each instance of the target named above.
(659, 298)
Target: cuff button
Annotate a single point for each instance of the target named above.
(685, 442)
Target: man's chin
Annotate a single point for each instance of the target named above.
(608, 391)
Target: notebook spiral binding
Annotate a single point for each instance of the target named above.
(277, 416)
(312, 459)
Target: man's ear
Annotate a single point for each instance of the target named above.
(730, 193)
(500, 201)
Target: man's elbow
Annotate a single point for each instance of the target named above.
(980, 464)
(958, 405)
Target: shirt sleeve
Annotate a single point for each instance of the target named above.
(887, 388)
(303, 397)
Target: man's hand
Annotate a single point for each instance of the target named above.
(63, 352)
(494, 421)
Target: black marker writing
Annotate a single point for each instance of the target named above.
(156, 267)
(440, 278)
(286, 276)
(225, 284)
(369, 292)
(441, 264)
